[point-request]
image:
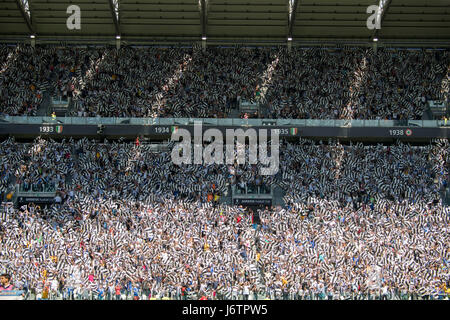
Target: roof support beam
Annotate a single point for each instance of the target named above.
(384, 9)
(25, 16)
(114, 6)
(203, 17)
(293, 5)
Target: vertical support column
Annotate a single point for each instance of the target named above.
(117, 43)
(203, 19)
(33, 42)
(375, 47)
(204, 44)
(289, 46)
(292, 13)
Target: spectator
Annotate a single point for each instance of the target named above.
(5, 282)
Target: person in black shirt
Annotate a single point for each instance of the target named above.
(61, 285)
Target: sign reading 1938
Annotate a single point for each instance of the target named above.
(400, 132)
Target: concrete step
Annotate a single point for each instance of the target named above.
(60, 112)
(445, 194)
(278, 195)
(43, 109)
(226, 197)
(234, 113)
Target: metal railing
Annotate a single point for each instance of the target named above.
(252, 189)
(224, 122)
(37, 189)
(262, 295)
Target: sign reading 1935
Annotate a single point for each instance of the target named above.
(400, 132)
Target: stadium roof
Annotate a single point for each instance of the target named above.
(227, 20)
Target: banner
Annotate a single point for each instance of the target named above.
(43, 200)
(253, 202)
(11, 295)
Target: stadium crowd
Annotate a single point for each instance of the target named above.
(22, 80)
(306, 83)
(360, 222)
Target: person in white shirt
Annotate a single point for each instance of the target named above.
(110, 291)
(58, 199)
(235, 293)
(53, 288)
(246, 291)
(384, 292)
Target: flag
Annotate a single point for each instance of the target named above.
(174, 129)
(294, 131)
(59, 129)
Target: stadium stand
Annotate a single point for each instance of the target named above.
(355, 215)
(93, 206)
(305, 83)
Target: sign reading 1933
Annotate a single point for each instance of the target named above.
(50, 129)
